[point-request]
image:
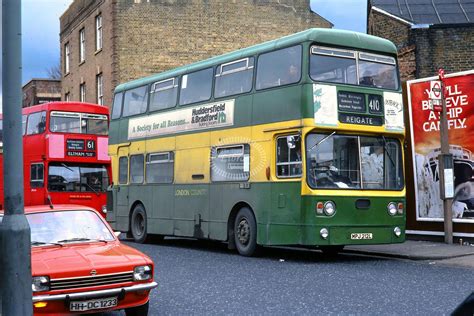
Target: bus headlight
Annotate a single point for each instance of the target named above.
(104, 209)
(329, 208)
(392, 208)
(397, 231)
(324, 233)
(142, 273)
(40, 283)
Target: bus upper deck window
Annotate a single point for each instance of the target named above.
(278, 68)
(117, 105)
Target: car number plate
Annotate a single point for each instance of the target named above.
(81, 306)
(358, 236)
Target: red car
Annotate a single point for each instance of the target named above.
(79, 265)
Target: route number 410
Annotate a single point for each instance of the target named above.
(375, 104)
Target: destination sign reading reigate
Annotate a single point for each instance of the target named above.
(204, 116)
(360, 119)
(351, 102)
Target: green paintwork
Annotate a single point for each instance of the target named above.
(330, 37)
(284, 217)
(274, 104)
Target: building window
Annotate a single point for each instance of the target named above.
(98, 32)
(36, 175)
(67, 54)
(100, 90)
(82, 45)
(288, 154)
(82, 92)
(67, 97)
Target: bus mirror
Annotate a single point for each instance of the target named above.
(291, 141)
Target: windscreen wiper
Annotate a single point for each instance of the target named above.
(40, 243)
(96, 192)
(80, 239)
(386, 151)
(322, 140)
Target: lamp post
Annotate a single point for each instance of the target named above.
(14, 230)
(446, 170)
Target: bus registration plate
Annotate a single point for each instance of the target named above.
(82, 306)
(357, 236)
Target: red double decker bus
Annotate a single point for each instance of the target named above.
(65, 154)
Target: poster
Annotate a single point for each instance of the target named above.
(426, 146)
(213, 115)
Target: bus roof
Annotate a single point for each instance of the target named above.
(67, 106)
(332, 37)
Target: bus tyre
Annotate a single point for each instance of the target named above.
(331, 251)
(138, 224)
(245, 233)
(138, 311)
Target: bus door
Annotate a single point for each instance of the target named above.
(36, 194)
(120, 190)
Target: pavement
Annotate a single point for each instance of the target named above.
(418, 250)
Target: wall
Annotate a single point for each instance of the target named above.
(82, 14)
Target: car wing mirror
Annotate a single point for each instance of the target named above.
(117, 234)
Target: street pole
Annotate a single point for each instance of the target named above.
(445, 160)
(15, 231)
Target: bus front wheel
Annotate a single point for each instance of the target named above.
(245, 233)
(138, 224)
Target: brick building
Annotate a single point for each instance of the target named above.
(106, 42)
(37, 91)
(429, 34)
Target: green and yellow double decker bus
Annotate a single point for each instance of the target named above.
(296, 141)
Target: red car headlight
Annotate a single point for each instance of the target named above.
(142, 273)
(40, 283)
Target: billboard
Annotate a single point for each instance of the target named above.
(425, 137)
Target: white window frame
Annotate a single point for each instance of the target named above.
(82, 45)
(171, 86)
(98, 32)
(100, 89)
(67, 55)
(223, 72)
(82, 92)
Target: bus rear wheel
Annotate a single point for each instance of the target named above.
(138, 224)
(245, 233)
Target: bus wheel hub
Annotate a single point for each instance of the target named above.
(243, 231)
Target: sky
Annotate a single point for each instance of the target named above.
(40, 29)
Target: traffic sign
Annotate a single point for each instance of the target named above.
(435, 90)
